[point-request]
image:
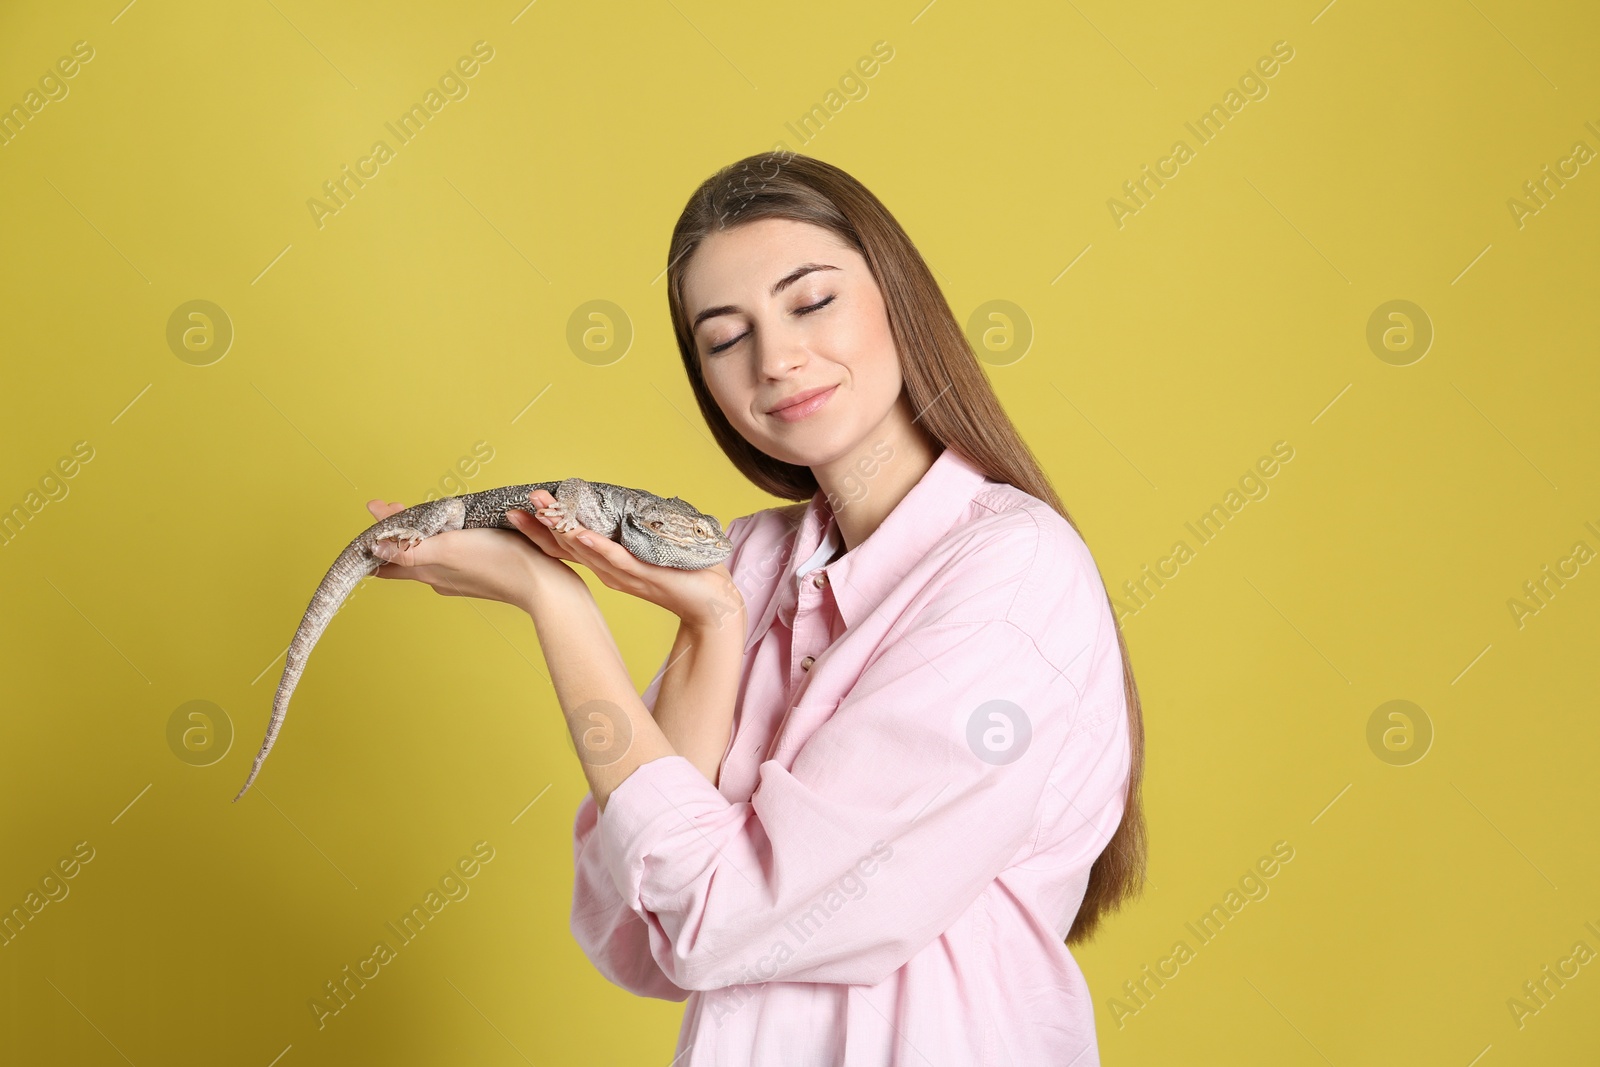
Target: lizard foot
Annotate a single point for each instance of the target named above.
(405, 537)
(565, 520)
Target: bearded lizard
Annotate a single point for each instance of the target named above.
(665, 531)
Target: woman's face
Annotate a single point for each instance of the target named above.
(789, 309)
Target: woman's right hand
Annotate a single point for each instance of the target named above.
(490, 564)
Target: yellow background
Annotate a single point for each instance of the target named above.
(372, 353)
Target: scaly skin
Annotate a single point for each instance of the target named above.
(662, 530)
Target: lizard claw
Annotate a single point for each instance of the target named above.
(565, 521)
(405, 538)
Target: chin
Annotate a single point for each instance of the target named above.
(813, 446)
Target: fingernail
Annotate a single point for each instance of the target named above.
(383, 550)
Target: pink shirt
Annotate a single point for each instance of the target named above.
(930, 748)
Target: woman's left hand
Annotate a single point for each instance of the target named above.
(701, 598)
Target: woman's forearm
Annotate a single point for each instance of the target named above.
(612, 730)
(695, 703)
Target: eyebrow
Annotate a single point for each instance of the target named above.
(778, 287)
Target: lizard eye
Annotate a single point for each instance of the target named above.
(656, 524)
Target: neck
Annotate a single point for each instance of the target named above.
(864, 485)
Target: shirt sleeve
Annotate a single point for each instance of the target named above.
(612, 935)
(924, 784)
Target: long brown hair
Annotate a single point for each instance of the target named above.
(936, 364)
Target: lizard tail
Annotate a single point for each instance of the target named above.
(354, 563)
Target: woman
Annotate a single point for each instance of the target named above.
(893, 758)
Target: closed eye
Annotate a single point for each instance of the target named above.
(798, 311)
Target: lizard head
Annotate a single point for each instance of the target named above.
(682, 536)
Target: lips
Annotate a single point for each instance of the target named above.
(799, 398)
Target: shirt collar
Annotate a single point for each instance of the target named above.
(832, 544)
(866, 573)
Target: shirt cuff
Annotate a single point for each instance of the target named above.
(651, 804)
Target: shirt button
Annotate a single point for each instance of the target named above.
(806, 663)
(820, 580)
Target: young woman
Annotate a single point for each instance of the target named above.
(890, 769)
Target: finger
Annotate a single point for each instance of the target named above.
(427, 575)
(542, 528)
(592, 549)
(396, 570)
(565, 540)
(537, 532)
(539, 500)
(542, 499)
(521, 522)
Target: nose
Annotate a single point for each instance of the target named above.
(778, 352)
